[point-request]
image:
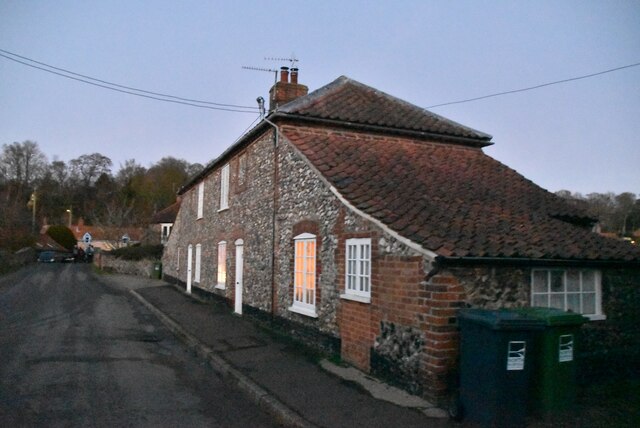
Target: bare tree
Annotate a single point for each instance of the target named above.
(23, 163)
(87, 168)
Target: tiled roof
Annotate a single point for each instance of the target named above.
(99, 233)
(451, 199)
(350, 101)
(167, 215)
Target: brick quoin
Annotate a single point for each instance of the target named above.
(442, 344)
(356, 333)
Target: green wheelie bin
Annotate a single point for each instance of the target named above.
(156, 270)
(495, 366)
(554, 379)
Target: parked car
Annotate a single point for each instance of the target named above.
(47, 257)
(67, 258)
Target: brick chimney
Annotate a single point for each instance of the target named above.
(286, 90)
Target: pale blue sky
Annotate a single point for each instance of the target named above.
(582, 136)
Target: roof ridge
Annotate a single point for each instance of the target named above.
(311, 105)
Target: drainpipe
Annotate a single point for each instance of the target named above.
(275, 201)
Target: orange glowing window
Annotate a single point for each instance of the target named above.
(304, 284)
(222, 264)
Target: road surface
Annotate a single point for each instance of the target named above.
(76, 349)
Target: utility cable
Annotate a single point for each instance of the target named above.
(126, 89)
(536, 86)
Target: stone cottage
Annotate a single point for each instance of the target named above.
(362, 223)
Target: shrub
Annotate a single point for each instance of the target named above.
(139, 252)
(63, 236)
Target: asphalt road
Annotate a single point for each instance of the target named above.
(77, 350)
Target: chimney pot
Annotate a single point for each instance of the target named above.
(284, 74)
(294, 76)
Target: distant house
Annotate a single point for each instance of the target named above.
(362, 223)
(105, 238)
(162, 223)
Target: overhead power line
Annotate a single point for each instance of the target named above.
(125, 89)
(557, 82)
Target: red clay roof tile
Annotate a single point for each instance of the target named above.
(453, 200)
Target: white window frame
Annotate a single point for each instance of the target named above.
(304, 297)
(537, 296)
(178, 260)
(165, 227)
(196, 277)
(357, 270)
(224, 188)
(201, 199)
(221, 270)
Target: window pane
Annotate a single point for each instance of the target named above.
(557, 301)
(588, 280)
(573, 302)
(573, 280)
(365, 284)
(541, 300)
(298, 280)
(589, 303)
(557, 280)
(540, 282)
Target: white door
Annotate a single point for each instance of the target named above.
(189, 264)
(239, 262)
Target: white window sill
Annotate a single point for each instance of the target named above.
(599, 317)
(220, 287)
(303, 311)
(223, 209)
(355, 298)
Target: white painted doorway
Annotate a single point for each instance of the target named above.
(239, 268)
(189, 267)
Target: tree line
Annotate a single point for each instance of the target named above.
(617, 213)
(34, 190)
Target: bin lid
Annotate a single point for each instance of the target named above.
(553, 316)
(501, 319)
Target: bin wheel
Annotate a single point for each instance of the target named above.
(455, 408)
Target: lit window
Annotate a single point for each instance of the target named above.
(358, 269)
(573, 290)
(201, 199)
(198, 255)
(224, 187)
(304, 282)
(222, 264)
